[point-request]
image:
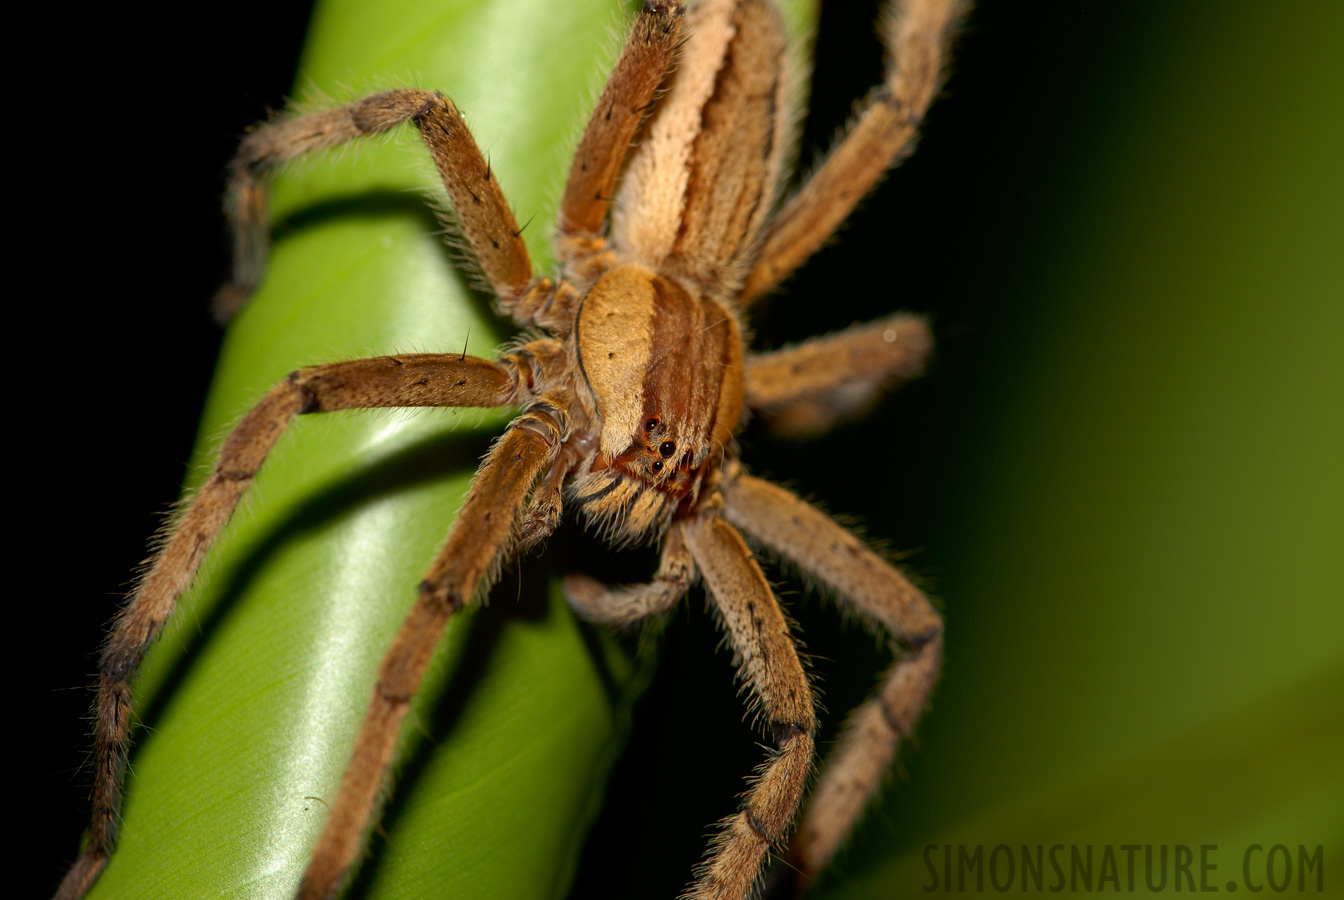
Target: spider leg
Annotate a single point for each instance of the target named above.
(543, 512)
(486, 222)
(769, 664)
(626, 605)
(479, 539)
(428, 379)
(806, 388)
(799, 532)
(916, 33)
(626, 99)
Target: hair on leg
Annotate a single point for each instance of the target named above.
(483, 215)
(807, 388)
(621, 606)
(768, 662)
(866, 583)
(412, 380)
(917, 34)
(626, 99)
(478, 542)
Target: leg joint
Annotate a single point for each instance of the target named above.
(440, 596)
(547, 417)
(893, 720)
(920, 639)
(385, 691)
(121, 666)
(905, 115)
(434, 102)
(299, 378)
(784, 732)
(674, 7)
(756, 826)
(380, 112)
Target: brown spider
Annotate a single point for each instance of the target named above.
(630, 400)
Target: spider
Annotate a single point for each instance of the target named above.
(630, 384)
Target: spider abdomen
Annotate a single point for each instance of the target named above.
(702, 182)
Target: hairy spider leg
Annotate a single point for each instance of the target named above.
(861, 579)
(627, 98)
(768, 662)
(465, 568)
(627, 605)
(483, 216)
(917, 34)
(415, 380)
(807, 388)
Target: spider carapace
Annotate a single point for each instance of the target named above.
(630, 387)
(668, 401)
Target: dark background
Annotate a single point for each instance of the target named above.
(129, 155)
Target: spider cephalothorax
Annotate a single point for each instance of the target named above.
(630, 388)
(668, 404)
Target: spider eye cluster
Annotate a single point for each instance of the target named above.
(653, 428)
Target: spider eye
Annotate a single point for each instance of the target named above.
(658, 465)
(667, 448)
(651, 424)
